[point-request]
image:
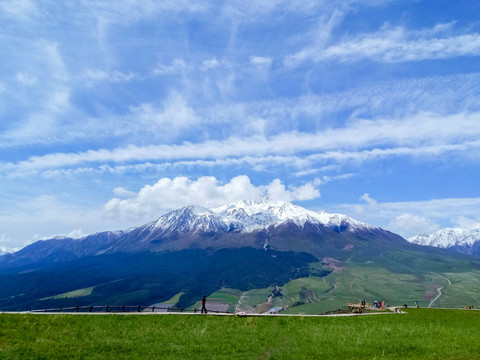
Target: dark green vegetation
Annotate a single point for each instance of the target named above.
(420, 334)
(307, 269)
(248, 279)
(148, 278)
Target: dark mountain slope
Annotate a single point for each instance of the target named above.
(146, 278)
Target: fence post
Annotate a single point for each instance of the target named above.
(168, 308)
(107, 308)
(153, 308)
(138, 308)
(91, 308)
(76, 309)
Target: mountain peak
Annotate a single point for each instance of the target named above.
(448, 237)
(250, 215)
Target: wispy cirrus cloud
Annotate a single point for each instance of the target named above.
(392, 45)
(92, 76)
(19, 9)
(421, 135)
(127, 11)
(177, 66)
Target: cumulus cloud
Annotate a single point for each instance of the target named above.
(167, 194)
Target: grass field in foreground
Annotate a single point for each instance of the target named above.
(420, 334)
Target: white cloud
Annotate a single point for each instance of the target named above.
(261, 61)
(178, 66)
(121, 192)
(467, 222)
(167, 194)
(214, 63)
(128, 11)
(410, 218)
(93, 76)
(408, 223)
(420, 135)
(48, 216)
(26, 79)
(393, 45)
(174, 114)
(366, 197)
(41, 125)
(75, 234)
(19, 9)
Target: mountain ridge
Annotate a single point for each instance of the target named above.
(464, 241)
(196, 251)
(253, 223)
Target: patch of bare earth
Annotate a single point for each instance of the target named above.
(333, 264)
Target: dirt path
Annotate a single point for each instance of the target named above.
(240, 306)
(439, 290)
(448, 280)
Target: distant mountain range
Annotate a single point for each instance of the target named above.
(459, 240)
(247, 245)
(256, 224)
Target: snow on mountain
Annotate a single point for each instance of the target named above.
(261, 213)
(462, 240)
(4, 251)
(248, 216)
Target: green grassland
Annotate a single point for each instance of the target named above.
(226, 296)
(314, 295)
(397, 277)
(174, 299)
(298, 283)
(354, 282)
(419, 334)
(73, 294)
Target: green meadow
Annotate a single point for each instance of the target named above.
(419, 334)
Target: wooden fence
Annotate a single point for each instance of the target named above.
(124, 309)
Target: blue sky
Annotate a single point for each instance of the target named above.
(114, 112)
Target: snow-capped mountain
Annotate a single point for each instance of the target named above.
(465, 241)
(4, 250)
(256, 224)
(248, 216)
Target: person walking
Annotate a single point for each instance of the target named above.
(204, 309)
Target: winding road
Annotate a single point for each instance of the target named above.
(439, 290)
